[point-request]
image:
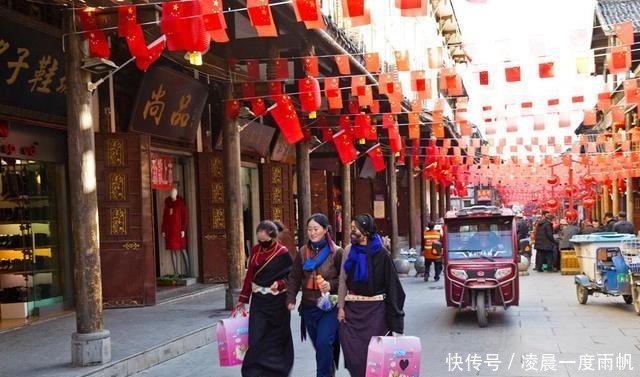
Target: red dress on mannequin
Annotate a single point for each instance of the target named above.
(174, 221)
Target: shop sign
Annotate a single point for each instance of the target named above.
(169, 105)
(484, 195)
(161, 172)
(32, 71)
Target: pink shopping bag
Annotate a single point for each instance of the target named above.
(233, 339)
(394, 356)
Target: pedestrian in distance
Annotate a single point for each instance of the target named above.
(624, 226)
(315, 272)
(608, 222)
(545, 243)
(431, 255)
(370, 295)
(270, 352)
(522, 228)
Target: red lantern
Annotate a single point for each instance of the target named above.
(309, 89)
(622, 186)
(588, 179)
(571, 215)
(552, 204)
(553, 180)
(588, 202)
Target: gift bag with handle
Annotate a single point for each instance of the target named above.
(394, 356)
(233, 338)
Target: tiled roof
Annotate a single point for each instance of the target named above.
(610, 12)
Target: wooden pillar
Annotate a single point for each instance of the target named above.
(91, 342)
(442, 201)
(303, 167)
(447, 199)
(392, 183)
(606, 203)
(424, 203)
(615, 198)
(346, 205)
(433, 200)
(629, 200)
(413, 211)
(231, 167)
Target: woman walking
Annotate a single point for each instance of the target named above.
(370, 298)
(270, 352)
(315, 271)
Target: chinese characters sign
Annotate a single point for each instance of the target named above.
(169, 105)
(161, 172)
(484, 195)
(32, 73)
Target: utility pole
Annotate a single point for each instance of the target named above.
(346, 205)
(393, 204)
(91, 343)
(412, 204)
(303, 170)
(433, 200)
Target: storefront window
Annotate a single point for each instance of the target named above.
(30, 251)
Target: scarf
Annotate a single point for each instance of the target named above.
(357, 260)
(312, 263)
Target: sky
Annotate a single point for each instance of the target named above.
(500, 33)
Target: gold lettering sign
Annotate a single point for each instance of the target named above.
(216, 167)
(131, 246)
(276, 195)
(217, 193)
(277, 213)
(115, 152)
(117, 186)
(117, 221)
(276, 175)
(217, 218)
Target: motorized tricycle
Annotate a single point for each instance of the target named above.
(480, 259)
(610, 265)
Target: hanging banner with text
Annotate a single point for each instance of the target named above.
(169, 105)
(32, 73)
(161, 172)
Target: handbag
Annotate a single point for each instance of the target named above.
(233, 338)
(397, 356)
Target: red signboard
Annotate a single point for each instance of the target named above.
(161, 172)
(484, 195)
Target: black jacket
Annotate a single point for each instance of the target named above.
(624, 226)
(522, 229)
(544, 236)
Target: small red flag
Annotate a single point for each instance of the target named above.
(402, 60)
(282, 68)
(512, 74)
(344, 146)
(311, 65)
(342, 61)
(287, 119)
(253, 69)
(483, 77)
(377, 159)
(545, 70)
(372, 62)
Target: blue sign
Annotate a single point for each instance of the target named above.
(32, 72)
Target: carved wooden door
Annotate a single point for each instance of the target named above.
(126, 219)
(277, 198)
(319, 195)
(213, 241)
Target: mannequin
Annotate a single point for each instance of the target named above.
(174, 227)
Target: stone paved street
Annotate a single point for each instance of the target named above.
(549, 324)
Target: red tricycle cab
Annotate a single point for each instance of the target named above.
(480, 259)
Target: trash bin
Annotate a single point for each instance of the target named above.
(587, 245)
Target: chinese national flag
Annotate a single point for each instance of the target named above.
(624, 32)
(259, 12)
(342, 61)
(287, 119)
(385, 83)
(306, 10)
(253, 69)
(617, 114)
(366, 99)
(135, 41)
(214, 21)
(327, 134)
(274, 88)
(154, 50)
(344, 123)
(248, 89)
(344, 146)
(375, 107)
(127, 17)
(372, 62)
(357, 11)
(412, 8)
(545, 70)
(362, 126)
(437, 130)
(434, 55)
(553, 102)
(311, 65)
(258, 107)
(631, 90)
(589, 117)
(332, 92)
(184, 27)
(604, 101)
(483, 77)
(282, 68)
(619, 59)
(353, 106)
(388, 120)
(395, 141)
(402, 60)
(512, 74)
(232, 108)
(395, 106)
(465, 128)
(358, 84)
(98, 44)
(377, 159)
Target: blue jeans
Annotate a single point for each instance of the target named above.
(322, 328)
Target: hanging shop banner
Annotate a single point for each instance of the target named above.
(484, 195)
(161, 172)
(32, 73)
(169, 105)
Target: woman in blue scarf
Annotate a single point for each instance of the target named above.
(315, 271)
(370, 296)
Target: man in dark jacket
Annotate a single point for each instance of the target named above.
(545, 243)
(608, 222)
(522, 229)
(624, 226)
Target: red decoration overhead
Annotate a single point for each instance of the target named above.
(214, 22)
(261, 18)
(98, 44)
(184, 27)
(357, 11)
(483, 77)
(154, 50)
(310, 64)
(333, 93)
(307, 10)
(624, 32)
(342, 61)
(372, 62)
(619, 59)
(344, 146)
(512, 74)
(274, 88)
(232, 108)
(546, 70)
(284, 113)
(282, 68)
(258, 107)
(309, 93)
(412, 8)
(377, 159)
(127, 17)
(402, 60)
(253, 69)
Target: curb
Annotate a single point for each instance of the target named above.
(157, 355)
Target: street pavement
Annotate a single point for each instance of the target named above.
(548, 334)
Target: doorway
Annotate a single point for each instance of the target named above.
(250, 205)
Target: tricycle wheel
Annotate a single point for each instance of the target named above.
(635, 293)
(582, 294)
(628, 299)
(481, 309)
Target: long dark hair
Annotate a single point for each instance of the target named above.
(323, 221)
